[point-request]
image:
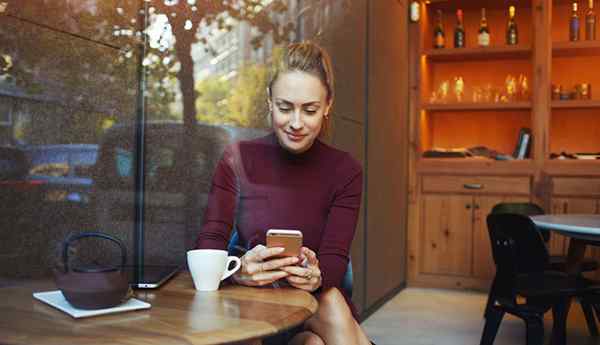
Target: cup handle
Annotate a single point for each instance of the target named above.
(229, 272)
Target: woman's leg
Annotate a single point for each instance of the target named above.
(333, 322)
(306, 338)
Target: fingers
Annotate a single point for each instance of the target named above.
(311, 256)
(262, 278)
(260, 252)
(303, 273)
(256, 267)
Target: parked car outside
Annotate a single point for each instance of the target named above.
(44, 191)
(176, 190)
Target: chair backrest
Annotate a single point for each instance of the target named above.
(517, 245)
(524, 208)
(235, 248)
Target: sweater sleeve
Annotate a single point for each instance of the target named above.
(339, 231)
(222, 199)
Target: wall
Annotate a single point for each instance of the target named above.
(387, 150)
(368, 44)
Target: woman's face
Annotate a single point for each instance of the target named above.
(299, 104)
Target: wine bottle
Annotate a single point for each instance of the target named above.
(439, 38)
(574, 24)
(512, 34)
(590, 22)
(459, 31)
(483, 38)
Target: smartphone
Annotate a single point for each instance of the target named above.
(291, 240)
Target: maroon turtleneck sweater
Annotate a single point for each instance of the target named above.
(261, 186)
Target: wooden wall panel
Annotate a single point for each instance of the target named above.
(345, 40)
(349, 136)
(387, 148)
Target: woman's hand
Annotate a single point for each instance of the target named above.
(255, 271)
(306, 276)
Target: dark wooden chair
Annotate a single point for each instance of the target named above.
(556, 262)
(524, 286)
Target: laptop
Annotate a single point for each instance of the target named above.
(150, 276)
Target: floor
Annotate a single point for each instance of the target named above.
(433, 316)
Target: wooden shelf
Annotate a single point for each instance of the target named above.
(573, 49)
(572, 167)
(479, 53)
(477, 106)
(576, 104)
(475, 166)
(452, 5)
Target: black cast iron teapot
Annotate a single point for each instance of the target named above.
(93, 287)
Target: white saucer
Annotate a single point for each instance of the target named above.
(58, 301)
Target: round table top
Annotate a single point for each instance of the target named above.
(585, 224)
(179, 315)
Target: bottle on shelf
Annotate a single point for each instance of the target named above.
(574, 24)
(439, 38)
(590, 22)
(483, 38)
(512, 34)
(459, 31)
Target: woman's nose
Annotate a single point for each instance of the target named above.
(297, 122)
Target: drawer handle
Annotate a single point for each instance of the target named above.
(473, 186)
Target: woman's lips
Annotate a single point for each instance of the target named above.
(294, 137)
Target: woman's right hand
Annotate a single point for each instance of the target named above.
(258, 270)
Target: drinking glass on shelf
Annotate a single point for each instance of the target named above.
(477, 94)
(523, 88)
(488, 93)
(434, 97)
(510, 84)
(443, 91)
(459, 88)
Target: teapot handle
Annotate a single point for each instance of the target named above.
(76, 237)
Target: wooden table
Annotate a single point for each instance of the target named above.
(179, 316)
(583, 229)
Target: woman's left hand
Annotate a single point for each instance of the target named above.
(306, 276)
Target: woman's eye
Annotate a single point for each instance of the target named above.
(311, 111)
(285, 109)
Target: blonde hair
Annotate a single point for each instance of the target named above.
(310, 58)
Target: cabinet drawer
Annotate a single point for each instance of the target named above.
(569, 186)
(476, 184)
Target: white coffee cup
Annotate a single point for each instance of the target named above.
(209, 267)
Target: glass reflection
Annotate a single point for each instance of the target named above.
(68, 86)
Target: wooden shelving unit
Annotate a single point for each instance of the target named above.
(576, 49)
(448, 241)
(500, 106)
(477, 53)
(576, 104)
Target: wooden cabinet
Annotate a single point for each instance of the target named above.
(448, 243)
(574, 195)
(447, 238)
(454, 241)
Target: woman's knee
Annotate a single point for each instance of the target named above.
(307, 338)
(333, 307)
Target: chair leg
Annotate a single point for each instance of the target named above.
(560, 311)
(589, 317)
(491, 298)
(492, 323)
(596, 308)
(534, 330)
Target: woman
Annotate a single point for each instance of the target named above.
(291, 180)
